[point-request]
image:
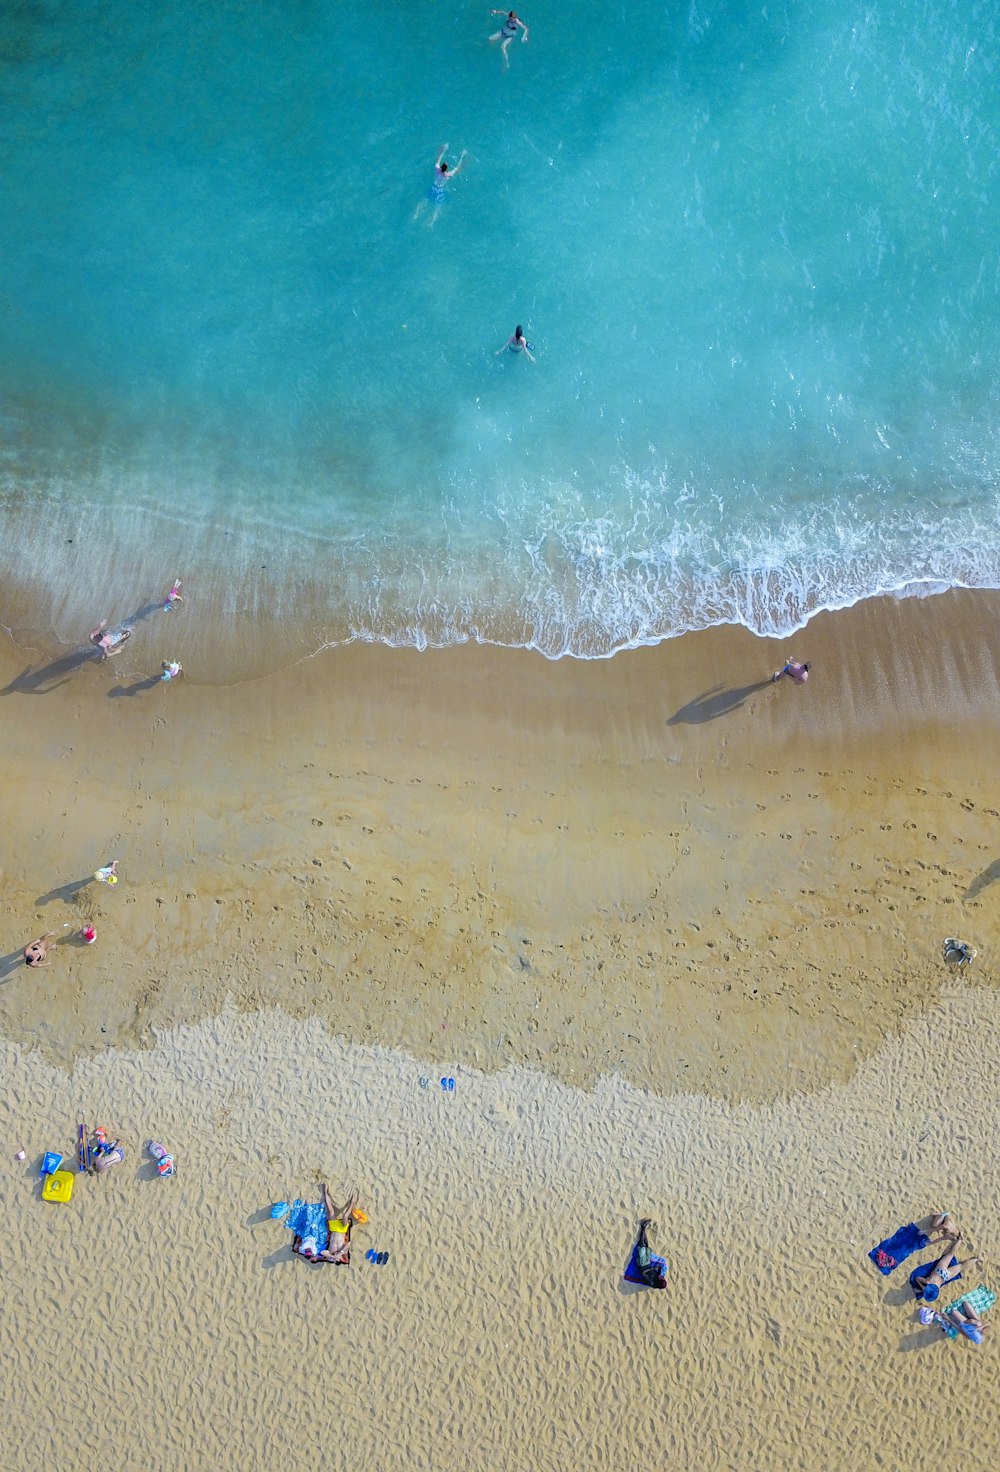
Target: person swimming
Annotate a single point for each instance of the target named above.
(517, 343)
(435, 194)
(505, 35)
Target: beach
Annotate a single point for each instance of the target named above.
(676, 932)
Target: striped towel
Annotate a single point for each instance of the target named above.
(980, 1299)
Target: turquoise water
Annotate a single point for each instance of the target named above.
(754, 247)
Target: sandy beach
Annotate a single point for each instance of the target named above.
(675, 931)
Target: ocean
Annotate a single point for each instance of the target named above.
(753, 247)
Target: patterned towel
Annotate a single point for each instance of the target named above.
(980, 1299)
(308, 1219)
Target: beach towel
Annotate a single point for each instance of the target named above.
(308, 1219)
(980, 1299)
(923, 1271)
(896, 1249)
(632, 1273)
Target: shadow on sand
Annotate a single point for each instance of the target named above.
(49, 676)
(715, 703)
(117, 691)
(10, 963)
(983, 881)
(67, 892)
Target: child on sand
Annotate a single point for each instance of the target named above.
(171, 669)
(174, 596)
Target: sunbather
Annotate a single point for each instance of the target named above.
(946, 1228)
(645, 1270)
(968, 1322)
(928, 1280)
(338, 1221)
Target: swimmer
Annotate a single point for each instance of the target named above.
(36, 952)
(171, 669)
(109, 641)
(517, 343)
(798, 672)
(174, 596)
(435, 194)
(505, 35)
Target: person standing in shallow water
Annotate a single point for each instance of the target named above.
(435, 194)
(517, 343)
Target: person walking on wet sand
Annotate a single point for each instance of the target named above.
(36, 952)
(799, 672)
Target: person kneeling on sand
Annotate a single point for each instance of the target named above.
(339, 1222)
(799, 672)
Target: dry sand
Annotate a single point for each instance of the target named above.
(163, 1324)
(676, 931)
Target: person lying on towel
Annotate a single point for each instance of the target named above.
(928, 1280)
(643, 1267)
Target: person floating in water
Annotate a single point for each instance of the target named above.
(517, 343)
(435, 194)
(511, 25)
(109, 641)
(174, 596)
(798, 672)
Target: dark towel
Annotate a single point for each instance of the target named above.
(633, 1273)
(896, 1249)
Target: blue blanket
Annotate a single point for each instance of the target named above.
(896, 1249)
(632, 1273)
(308, 1219)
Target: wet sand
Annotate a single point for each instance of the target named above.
(676, 931)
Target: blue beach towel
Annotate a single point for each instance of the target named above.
(308, 1219)
(896, 1249)
(632, 1274)
(922, 1271)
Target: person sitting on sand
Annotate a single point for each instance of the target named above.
(105, 1153)
(928, 1280)
(642, 1269)
(947, 1229)
(339, 1222)
(36, 952)
(109, 641)
(799, 672)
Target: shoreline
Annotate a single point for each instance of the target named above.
(659, 865)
